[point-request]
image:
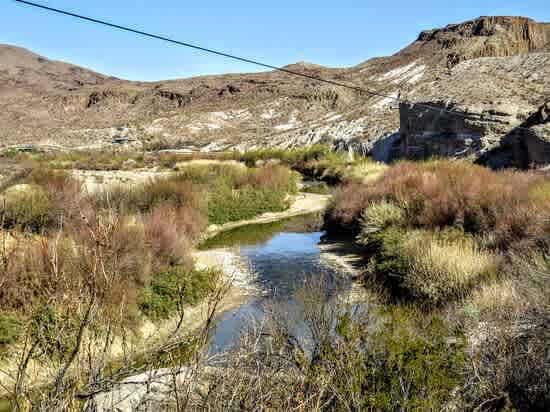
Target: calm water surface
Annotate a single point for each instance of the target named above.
(282, 262)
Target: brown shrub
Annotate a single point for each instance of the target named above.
(166, 191)
(170, 232)
(446, 193)
(107, 256)
(35, 269)
(271, 176)
(50, 199)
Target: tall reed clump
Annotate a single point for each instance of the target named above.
(439, 268)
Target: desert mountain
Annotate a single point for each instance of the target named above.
(493, 71)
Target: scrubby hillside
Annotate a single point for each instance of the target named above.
(493, 69)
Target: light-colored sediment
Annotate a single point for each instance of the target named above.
(97, 180)
(234, 269)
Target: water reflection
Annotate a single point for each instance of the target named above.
(282, 262)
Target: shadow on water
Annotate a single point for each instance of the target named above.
(253, 235)
(282, 256)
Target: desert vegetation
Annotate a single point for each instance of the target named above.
(96, 287)
(317, 161)
(104, 279)
(471, 245)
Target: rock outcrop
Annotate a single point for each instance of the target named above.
(490, 110)
(525, 146)
(487, 36)
(429, 130)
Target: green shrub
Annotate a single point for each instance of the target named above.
(408, 363)
(379, 216)
(389, 259)
(28, 207)
(54, 331)
(10, 329)
(177, 286)
(249, 194)
(227, 205)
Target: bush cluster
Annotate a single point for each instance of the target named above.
(170, 290)
(124, 243)
(510, 206)
(459, 238)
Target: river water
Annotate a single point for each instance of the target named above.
(282, 257)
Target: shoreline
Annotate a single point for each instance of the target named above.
(303, 204)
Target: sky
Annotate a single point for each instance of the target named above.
(339, 33)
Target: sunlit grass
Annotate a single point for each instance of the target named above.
(441, 267)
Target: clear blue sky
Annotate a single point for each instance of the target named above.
(332, 33)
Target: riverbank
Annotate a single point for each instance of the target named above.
(303, 204)
(267, 273)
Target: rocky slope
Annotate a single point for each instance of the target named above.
(493, 71)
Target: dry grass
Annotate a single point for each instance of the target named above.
(365, 171)
(440, 268)
(498, 300)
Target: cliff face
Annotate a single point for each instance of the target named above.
(427, 131)
(525, 146)
(494, 73)
(494, 113)
(489, 37)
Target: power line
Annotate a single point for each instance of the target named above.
(250, 61)
(200, 48)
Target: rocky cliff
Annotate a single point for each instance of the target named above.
(487, 37)
(493, 71)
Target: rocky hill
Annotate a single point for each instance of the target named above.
(494, 72)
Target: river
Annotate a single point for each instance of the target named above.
(281, 258)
